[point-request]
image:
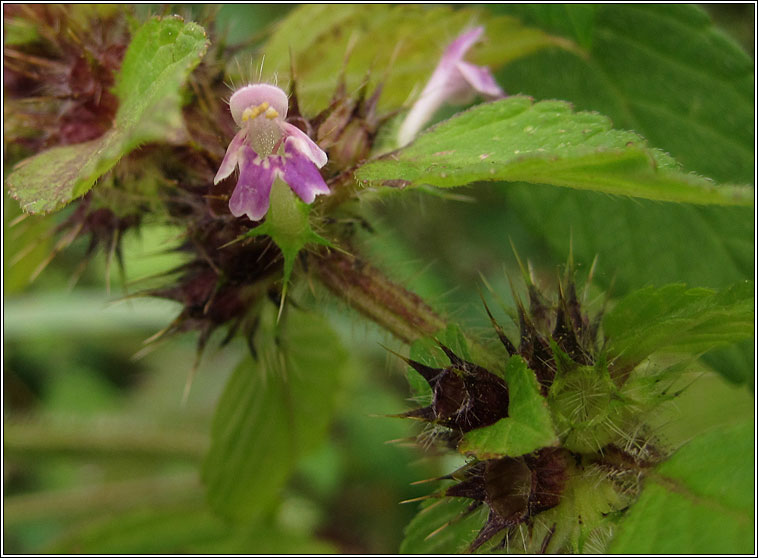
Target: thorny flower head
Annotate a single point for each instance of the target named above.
(454, 80)
(267, 148)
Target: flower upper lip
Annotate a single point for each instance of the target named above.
(254, 95)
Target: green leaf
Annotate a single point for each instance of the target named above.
(156, 65)
(668, 73)
(398, 46)
(543, 143)
(701, 500)
(638, 241)
(528, 426)
(736, 362)
(662, 70)
(452, 539)
(678, 320)
(272, 412)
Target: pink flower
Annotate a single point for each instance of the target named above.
(453, 80)
(266, 148)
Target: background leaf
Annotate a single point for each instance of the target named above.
(528, 426)
(542, 143)
(677, 319)
(664, 71)
(699, 501)
(670, 74)
(156, 64)
(273, 411)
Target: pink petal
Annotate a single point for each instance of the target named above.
(304, 144)
(251, 195)
(301, 173)
(422, 111)
(232, 156)
(481, 79)
(454, 81)
(460, 46)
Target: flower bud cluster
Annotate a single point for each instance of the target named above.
(58, 84)
(560, 344)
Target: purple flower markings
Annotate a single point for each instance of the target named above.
(259, 110)
(453, 81)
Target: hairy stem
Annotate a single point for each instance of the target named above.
(365, 288)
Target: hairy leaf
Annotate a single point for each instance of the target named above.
(395, 46)
(667, 72)
(638, 241)
(662, 70)
(543, 143)
(273, 411)
(679, 320)
(528, 426)
(699, 501)
(156, 65)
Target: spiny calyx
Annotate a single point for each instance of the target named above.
(543, 327)
(464, 395)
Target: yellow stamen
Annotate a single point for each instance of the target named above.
(271, 113)
(253, 112)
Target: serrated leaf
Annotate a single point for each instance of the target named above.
(156, 64)
(543, 143)
(638, 241)
(273, 411)
(528, 426)
(454, 538)
(397, 46)
(663, 70)
(699, 501)
(667, 72)
(677, 319)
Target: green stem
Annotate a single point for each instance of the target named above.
(390, 305)
(179, 488)
(108, 440)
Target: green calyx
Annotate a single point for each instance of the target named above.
(288, 224)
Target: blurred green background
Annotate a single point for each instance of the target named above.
(100, 454)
